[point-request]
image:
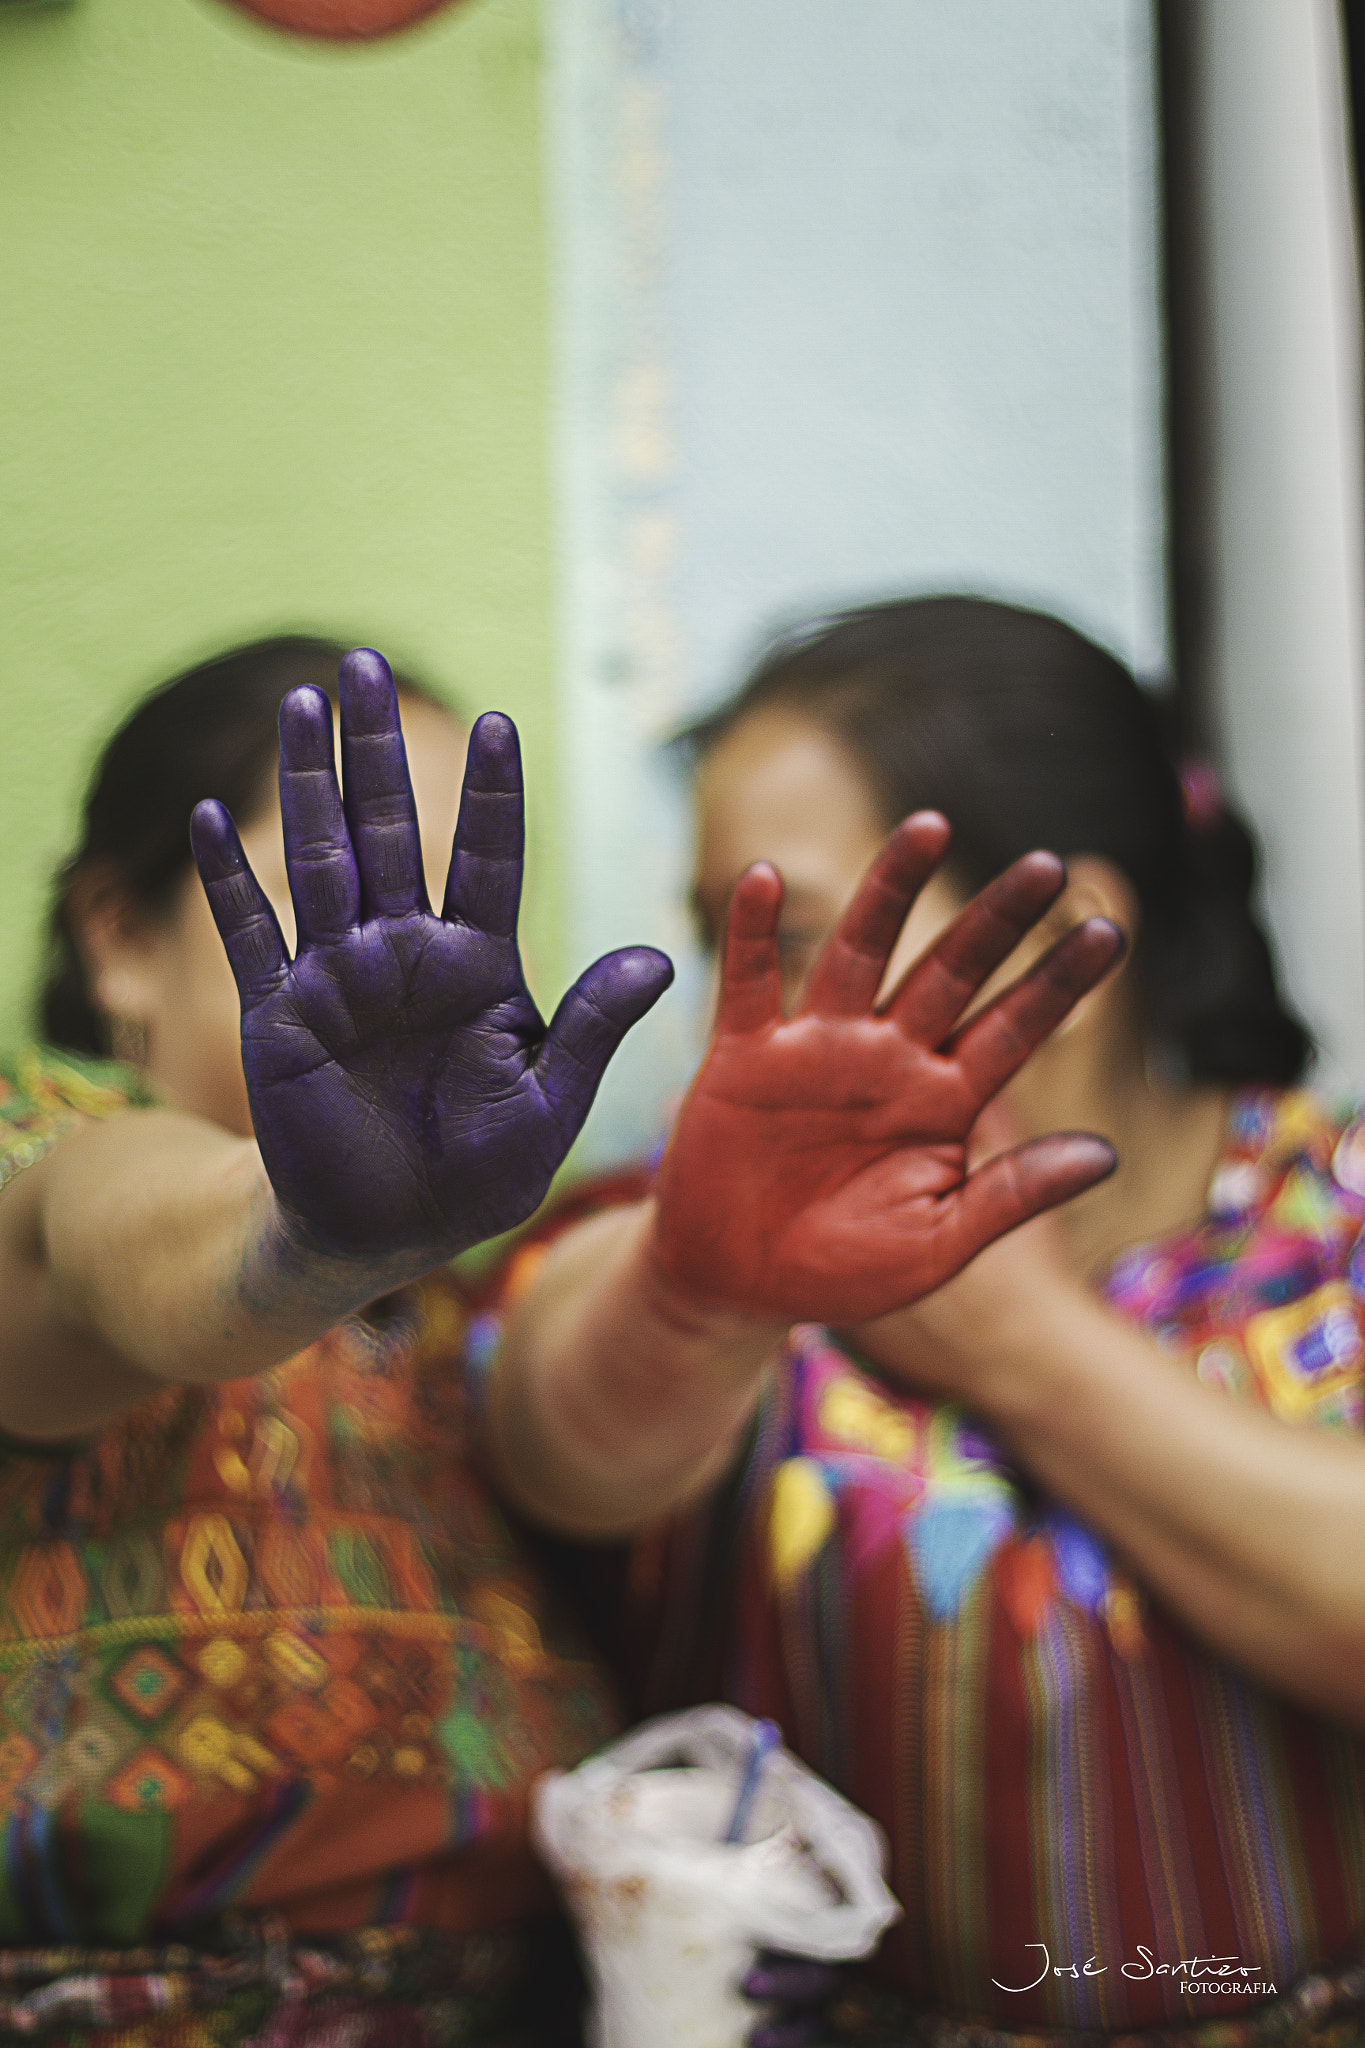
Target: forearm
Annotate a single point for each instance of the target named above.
(615, 1396)
(1250, 1531)
(143, 1251)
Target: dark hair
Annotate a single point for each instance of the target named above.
(1025, 734)
(211, 731)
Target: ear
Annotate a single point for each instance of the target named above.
(1096, 888)
(114, 935)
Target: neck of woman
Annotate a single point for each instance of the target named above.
(1169, 1138)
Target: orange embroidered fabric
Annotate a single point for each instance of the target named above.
(273, 1647)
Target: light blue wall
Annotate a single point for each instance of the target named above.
(914, 311)
(853, 300)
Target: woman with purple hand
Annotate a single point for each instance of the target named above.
(268, 1646)
(276, 1671)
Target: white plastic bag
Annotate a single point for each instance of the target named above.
(670, 1915)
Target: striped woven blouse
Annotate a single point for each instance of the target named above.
(1089, 1813)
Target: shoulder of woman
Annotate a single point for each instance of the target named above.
(1273, 1131)
(43, 1092)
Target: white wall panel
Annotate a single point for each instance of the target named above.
(1288, 653)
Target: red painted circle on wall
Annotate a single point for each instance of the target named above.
(342, 21)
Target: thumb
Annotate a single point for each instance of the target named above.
(592, 1019)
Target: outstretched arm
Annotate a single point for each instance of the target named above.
(124, 1263)
(407, 1098)
(817, 1172)
(1247, 1528)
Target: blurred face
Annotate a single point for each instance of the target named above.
(171, 977)
(779, 787)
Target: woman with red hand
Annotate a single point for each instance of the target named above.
(1043, 1570)
(817, 1171)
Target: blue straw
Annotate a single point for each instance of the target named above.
(767, 1738)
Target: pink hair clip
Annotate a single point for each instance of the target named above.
(1201, 792)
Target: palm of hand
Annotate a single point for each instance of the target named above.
(407, 1098)
(406, 1056)
(817, 1170)
(860, 1132)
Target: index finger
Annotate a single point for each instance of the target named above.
(852, 961)
(246, 923)
(750, 978)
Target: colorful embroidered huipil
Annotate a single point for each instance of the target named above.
(271, 1646)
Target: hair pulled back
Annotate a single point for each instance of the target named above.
(211, 731)
(1025, 734)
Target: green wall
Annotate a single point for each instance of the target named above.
(273, 351)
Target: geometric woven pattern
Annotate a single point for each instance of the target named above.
(147, 1683)
(148, 1783)
(232, 1628)
(47, 1590)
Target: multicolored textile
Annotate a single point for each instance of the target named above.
(1084, 1805)
(44, 1094)
(271, 1648)
(1323, 2011)
(387, 1987)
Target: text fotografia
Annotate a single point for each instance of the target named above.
(1226, 1974)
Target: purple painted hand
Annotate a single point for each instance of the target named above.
(407, 1098)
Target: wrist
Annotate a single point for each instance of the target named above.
(1014, 1355)
(1048, 1363)
(680, 1308)
(290, 1279)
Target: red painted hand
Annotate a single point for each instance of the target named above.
(818, 1170)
